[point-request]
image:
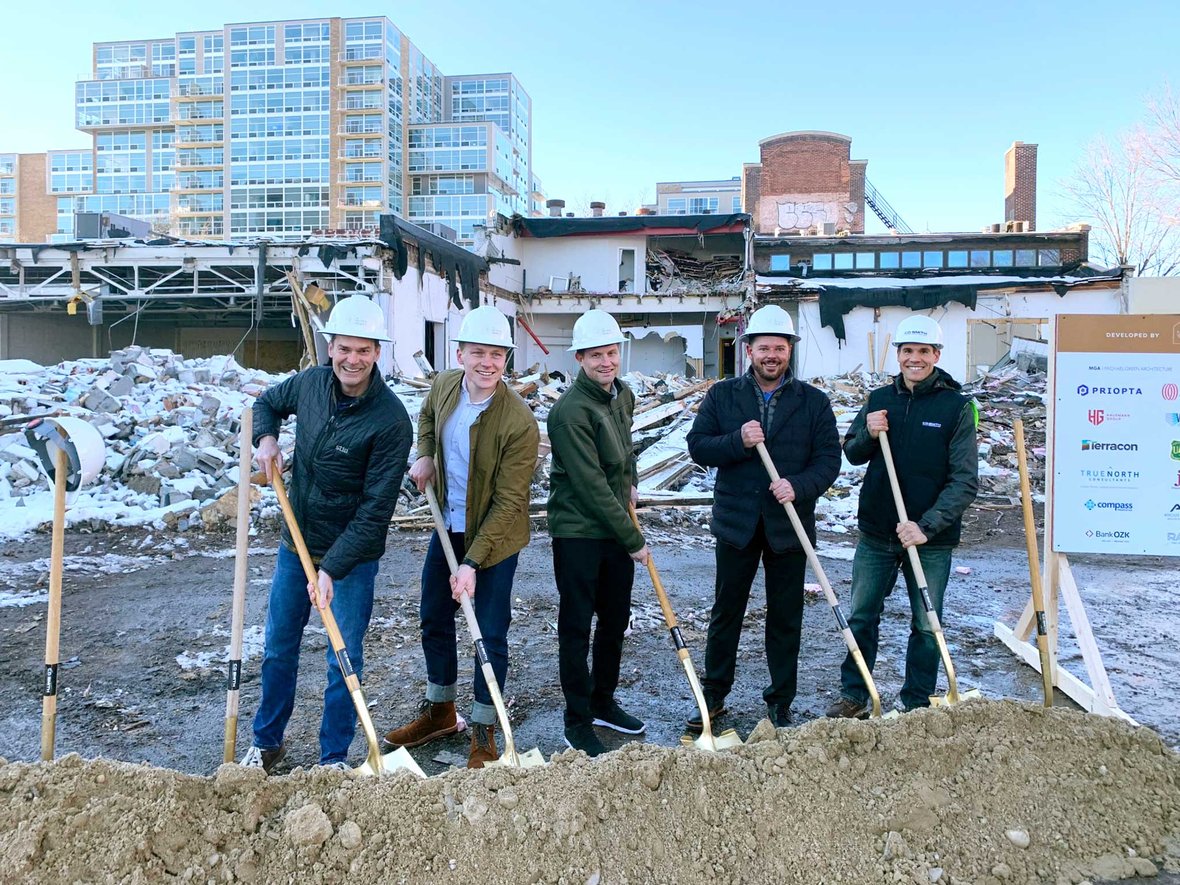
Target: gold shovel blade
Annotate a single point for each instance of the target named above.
(528, 759)
(391, 762)
(938, 700)
(710, 743)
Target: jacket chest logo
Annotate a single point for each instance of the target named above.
(342, 450)
(931, 424)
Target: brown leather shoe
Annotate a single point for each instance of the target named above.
(483, 745)
(434, 721)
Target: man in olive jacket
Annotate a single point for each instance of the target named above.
(351, 445)
(595, 544)
(795, 421)
(477, 443)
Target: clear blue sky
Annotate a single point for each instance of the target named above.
(626, 94)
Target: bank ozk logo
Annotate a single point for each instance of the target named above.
(1096, 416)
(1171, 391)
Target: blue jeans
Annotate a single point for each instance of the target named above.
(493, 612)
(286, 616)
(874, 573)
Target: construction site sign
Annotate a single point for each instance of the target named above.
(1115, 434)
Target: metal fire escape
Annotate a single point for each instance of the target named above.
(884, 211)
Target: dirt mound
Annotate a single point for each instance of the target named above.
(983, 793)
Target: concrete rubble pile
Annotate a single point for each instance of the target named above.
(171, 428)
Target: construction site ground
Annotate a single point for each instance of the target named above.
(146, 615)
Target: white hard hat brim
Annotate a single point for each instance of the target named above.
(380, 339)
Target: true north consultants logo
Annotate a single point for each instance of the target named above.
(1170, 391)
(1107, 477)
(1087, 390)
(1120, 506)
(1094, 445)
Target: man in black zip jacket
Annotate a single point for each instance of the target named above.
(932, 435)
(795, 421)
(351, 445)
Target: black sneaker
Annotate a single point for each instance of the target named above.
(695, 722)
(779, 715)
(846, 708)
(614, 716)
(256, 757)
(582, 737)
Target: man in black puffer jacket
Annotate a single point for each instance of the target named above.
(932, 435)
(351, 445)
(796, 423)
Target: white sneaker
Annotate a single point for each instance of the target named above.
(252, 759)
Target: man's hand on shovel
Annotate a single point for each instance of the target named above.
(269, 457)
(463, 583)
(320, 592)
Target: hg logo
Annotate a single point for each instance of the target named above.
(1096, 416)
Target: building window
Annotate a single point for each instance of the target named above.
(780, 262)
(981, 258)
(1002, 257)
(822, 261)
(889, 260)
(911, 260)
(702, 206)
(736, 207)
(956, 258)
(1026, 257)
(931, 259)
(866, 260)
(843, 261)
(677, 206)
(1049, 257)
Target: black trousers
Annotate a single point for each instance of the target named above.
(594, 577)
(736, 567)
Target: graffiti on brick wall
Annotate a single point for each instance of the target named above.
(802, 214)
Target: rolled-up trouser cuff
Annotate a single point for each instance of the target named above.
(484, 714)
(438, 694)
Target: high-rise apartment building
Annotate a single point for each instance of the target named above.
(288, 128)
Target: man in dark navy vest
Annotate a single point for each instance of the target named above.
(932, 434)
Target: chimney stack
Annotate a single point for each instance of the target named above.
(1020, 184)
(555, 207)
(597, 208)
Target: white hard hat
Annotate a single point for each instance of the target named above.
(485, 325)
(357, 317)
(596, 328)
(770, 320)
(918, 329)
(84, 447)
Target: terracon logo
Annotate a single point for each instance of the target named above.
(1122, 506)
(1170, 391)
(1093, 445)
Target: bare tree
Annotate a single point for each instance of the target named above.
(1120, 190)
(1164, 144)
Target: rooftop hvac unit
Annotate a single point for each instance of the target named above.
(828, 229)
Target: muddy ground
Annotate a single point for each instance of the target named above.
(135, 600)
(146, 617)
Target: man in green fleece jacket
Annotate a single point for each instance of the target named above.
(595, 544)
